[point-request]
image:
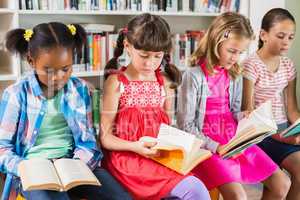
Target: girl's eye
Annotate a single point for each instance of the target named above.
(291, 37)
(65, 69)
(231, 51)
(144, 56)
(280, 37)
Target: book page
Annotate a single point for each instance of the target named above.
(161, 144)
(244, 145)
(38, 174)
(179, 151)
(74, 172)
(196, 158)
(261, 119)
(174, 136)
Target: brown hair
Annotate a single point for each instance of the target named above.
(149, 33)
(272, 17)
(222, 28)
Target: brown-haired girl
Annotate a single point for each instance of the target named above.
(270, 75)
(135, 104)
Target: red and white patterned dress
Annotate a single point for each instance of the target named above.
(140, 114)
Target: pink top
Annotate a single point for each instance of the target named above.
(253, 165)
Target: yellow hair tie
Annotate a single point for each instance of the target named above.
(28, 34)
(72, 28)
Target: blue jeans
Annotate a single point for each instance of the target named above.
(110, 189)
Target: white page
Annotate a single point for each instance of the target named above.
(261, 118)
(71, 170)
(176, 137)
(37, 172)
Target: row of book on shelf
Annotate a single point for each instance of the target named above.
(214, 6)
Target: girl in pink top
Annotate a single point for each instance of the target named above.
(209, 106)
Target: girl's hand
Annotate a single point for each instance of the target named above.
(242, 115)
(294, 140)
(145, 149)
(246, 113)
(219, 148)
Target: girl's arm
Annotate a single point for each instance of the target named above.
(248, 104)
(292, 112)
(109, 112)
(291, 102)
(248, 95)
(10, 110)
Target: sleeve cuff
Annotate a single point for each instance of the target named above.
(249, 77)
(212, 145)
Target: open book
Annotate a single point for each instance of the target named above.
(179, 151)
(292, 130)
(61, 175)
(251, 130)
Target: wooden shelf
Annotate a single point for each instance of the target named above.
(8, 77)
(7, 11)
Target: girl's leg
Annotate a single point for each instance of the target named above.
(292, 164)
(233, 191)
(45, 195)
(190, 188)
(110, 189)
(39, 194)
(276, 186)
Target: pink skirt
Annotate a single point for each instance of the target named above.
(252, 166)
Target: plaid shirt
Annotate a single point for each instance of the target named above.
(21, 114)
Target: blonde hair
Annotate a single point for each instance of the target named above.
(225, 26)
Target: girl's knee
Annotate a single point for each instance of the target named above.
(282, 187)
(191, 188)
(233, 192)
(198, 189)
(280, 184)
(293, 170)
(235, 195)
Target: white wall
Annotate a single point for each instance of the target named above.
(257, 9)
(294, 7)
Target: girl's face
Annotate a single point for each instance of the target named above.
(145, 62)
(230, 51)
(279, 37)
(53, 67)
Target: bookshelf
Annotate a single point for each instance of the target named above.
(9, 72)
(12, 17)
